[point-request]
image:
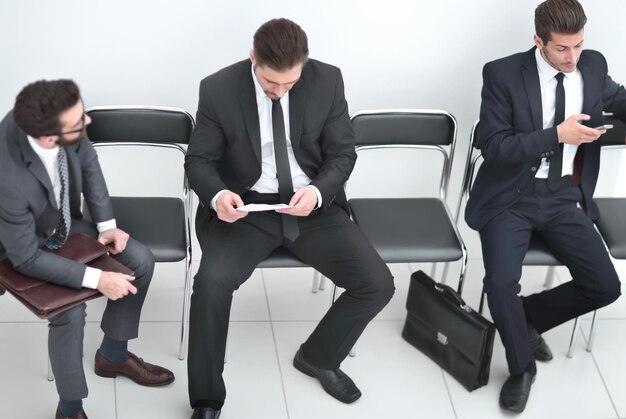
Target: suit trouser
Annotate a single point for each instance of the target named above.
(120, 320)
(572, 238)
(329, 242)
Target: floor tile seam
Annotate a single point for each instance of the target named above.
(280, 370)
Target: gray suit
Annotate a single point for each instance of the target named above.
(28, 216)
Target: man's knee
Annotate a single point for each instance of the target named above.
(609, 290)
(139, 258)
(217, 278)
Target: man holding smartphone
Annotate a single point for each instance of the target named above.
(542, 160)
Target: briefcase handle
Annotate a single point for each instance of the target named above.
(452, 295)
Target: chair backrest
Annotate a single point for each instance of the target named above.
(142, 126)
(139, 124)
(409, 128)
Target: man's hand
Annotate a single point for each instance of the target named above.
(571, 131)
(116, 285)
(303, 201)
(115, 239)
(226, 207)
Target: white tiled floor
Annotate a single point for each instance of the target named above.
(272, 314)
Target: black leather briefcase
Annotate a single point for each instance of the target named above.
(448, 331)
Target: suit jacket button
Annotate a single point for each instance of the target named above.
(519, 191)
(552, 153)
(533, 169)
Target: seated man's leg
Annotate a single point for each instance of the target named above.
(65, 349)
(575, 242)
(120, 320)
(504, 240)
(332, 244)
(230, 253)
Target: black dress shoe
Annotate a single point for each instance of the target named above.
(205, 413)
(516, 389)
(541, 350)
(335, 382)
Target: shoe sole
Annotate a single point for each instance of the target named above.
(110, 374)
(303, 369)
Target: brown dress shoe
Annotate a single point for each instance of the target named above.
(79, 415)
(134, 368)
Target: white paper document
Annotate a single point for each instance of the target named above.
(263, 207)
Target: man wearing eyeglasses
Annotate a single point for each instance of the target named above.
(45, 166)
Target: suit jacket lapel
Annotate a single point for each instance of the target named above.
(250, 111)
(35, 166)
(297, 100)
(590, 89)
(530, 75)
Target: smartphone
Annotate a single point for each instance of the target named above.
(607, 126)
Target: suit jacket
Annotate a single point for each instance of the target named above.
(28, 209)
(512, 139)
(225, 148)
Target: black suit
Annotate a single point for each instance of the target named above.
(507, 204)
(225, 153)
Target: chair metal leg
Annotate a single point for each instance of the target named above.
(316, 280)
(50, 373)
(572, 342)
(322, 282)
(550, 275)
(592, 331)
(184, 329)
(433, 271)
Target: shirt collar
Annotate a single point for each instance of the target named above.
(41, 150)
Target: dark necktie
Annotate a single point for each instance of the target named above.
(283, 172)
(556, 163)
(58, 237)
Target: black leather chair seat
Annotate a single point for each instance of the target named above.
(538, 254)
(405, 230)
(282, 258)
(156, 222)
(612, 224)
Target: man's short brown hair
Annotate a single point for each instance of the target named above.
(559, 16)
(280, 44)
(39, 105)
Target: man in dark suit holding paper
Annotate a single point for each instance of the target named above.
(45, 166)
(542, 158)
(273, 129)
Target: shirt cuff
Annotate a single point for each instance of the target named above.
(91, 278)
(106, 225)
(319, 195)
(214, 200)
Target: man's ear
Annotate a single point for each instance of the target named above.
(538, 42)
(252, 57)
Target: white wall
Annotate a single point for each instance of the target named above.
(394, 54)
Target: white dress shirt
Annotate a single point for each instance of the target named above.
(573, 85)
(49, 158)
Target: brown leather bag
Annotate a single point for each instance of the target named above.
(46, 299)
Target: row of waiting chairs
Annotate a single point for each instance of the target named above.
(403, 230)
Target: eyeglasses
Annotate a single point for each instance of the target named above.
(74, 131)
